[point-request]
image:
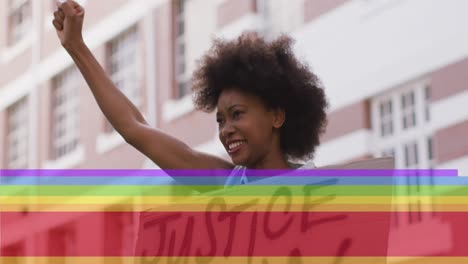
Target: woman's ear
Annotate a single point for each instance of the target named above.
(279, 116)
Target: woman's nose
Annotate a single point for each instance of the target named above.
(227, 130)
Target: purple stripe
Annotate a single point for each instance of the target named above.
(217, 173)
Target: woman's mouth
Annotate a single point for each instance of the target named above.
(234, 147)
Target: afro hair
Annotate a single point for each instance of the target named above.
(270, 71)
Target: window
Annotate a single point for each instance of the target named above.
(123, 66)
(17, 135)
(386, 118)
(62, 242)
(181, 75)
(388, 153)
(409, 140)
(408, 110)
(411, 155)
(119, 228)
(427, 103)
(411, 108)
(65, 113)
(19, 19)
(431, 158)
(430, 149)
(413, 183)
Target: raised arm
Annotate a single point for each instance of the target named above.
(166, 151)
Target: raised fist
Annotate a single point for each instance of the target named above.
(68, 21)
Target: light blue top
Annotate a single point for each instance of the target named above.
(238, 176)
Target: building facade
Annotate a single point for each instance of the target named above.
(393, 70)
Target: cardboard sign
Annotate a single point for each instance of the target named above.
(289, 221)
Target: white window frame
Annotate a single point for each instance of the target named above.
(409, 108)
(386, 117)
(427, 103)
(279, 16)
(65, 104)
(181, 103)
(264, 12)
(18, 135)
(411, 155)
(182, 76)
(173, 109)
(401, 137)
(14, 48)
(17, 31)
(371, 8)
(126, 45)
(421, 131)
(109, 139)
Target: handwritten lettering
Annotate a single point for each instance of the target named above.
(280, 192)
(234, 230)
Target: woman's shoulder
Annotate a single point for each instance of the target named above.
(239, 170)
(307, 165)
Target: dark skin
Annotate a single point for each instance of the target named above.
(244, 120)
(243, 116)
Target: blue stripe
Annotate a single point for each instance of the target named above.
(279, 180)
(217, 173)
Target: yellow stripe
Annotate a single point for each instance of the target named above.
(203, 200)
(170, 200)
(200, 203)
(235, 260)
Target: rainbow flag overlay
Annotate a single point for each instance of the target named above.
(190, 216)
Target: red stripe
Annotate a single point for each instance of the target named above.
(237, 234)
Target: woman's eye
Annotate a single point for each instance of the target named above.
(236, 114)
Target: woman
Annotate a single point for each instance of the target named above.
(270, 108)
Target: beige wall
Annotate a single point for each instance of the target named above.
(2, 138)
(315, 8)
(231, 10)
(450, 80)
(347, 120)
(16, 67)
(204, 19)
(3, 25)
(451, 143)
(200, 29)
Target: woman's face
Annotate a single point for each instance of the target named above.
(247, 128)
